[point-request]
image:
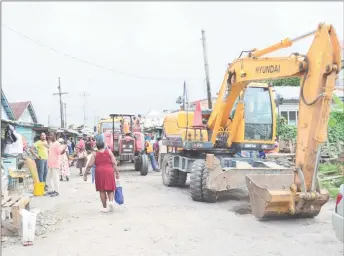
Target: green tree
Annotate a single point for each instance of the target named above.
(336, 121)
(285, 131)
(290, 81)
(335, 124)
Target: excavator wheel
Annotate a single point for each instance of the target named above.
(182, 176)
(144, 165)
(170, 176)
(198, 179)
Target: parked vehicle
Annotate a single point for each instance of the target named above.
(130, 147)
(338, 215)
(111, 129)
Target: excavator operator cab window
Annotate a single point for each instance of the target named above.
(258, 114)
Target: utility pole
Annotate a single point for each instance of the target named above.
(65, 114)
(206, 67)
(184, 95)
(49, 120)
(60, 93)
(85, 102)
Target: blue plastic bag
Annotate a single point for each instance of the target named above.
(119, 199)
(93, 171)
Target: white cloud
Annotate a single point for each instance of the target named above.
(149, 39)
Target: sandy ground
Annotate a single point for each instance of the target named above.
(157, 220)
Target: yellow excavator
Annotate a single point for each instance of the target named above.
(206, 144)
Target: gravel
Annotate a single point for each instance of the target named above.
(156, 220)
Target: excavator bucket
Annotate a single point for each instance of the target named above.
(275, 196)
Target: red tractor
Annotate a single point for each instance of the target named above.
(130, 143)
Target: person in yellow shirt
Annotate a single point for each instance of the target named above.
(42, 156)
(150, 152)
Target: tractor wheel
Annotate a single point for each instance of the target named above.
(137, 164)
(144, 165)
(198, 179)
(169, 175)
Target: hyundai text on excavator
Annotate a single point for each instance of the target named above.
(205, 143)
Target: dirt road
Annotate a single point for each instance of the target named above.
(157, 220)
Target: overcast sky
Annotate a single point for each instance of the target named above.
(156, 40)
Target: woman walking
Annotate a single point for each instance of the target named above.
(106, 164)
(82, 159)
(64, 169)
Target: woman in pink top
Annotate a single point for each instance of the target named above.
(81, 143)
(82, 155)
(54, 163)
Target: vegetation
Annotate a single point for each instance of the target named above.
(285, 131)
(335, 124)
(336, 171)
(290, 81)
(336, 121)
(335, 134)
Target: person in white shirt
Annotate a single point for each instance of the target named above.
(162, 152)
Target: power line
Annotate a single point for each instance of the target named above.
(82, 60)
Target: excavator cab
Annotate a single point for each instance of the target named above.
(258, 114)
(254, 127)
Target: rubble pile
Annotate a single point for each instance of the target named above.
(46, 221)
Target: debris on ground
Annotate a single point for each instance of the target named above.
(46, 221)
(242, 209)
(7, 240)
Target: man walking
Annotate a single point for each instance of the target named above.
(69, 145)
(54, 162)
(72, 144)
(156, 150)
(149, 150)
(42, 157)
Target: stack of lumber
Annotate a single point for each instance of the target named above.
(10, 212)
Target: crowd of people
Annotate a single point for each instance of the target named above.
(50, 156)
(54, 157)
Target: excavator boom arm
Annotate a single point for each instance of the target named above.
(243, 71)
(318, 71)
(300, 194)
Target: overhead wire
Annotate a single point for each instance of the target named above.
(85, 61)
